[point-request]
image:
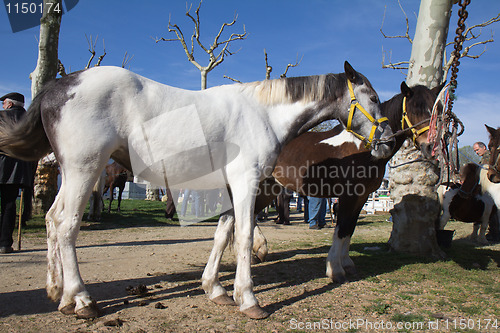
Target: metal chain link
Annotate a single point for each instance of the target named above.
(459, 41)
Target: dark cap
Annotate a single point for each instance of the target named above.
(13, 96)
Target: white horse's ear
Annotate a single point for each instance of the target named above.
(349, 71)
(405, 90)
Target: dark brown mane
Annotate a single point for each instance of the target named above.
(417, 106)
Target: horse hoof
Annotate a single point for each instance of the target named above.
(223, 300)
(68, 309)
(255, 312)
(262, 255)
(338, 278)
(351, 270)
(88, 312)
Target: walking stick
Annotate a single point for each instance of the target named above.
(20, 218)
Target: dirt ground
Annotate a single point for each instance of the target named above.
(169, 261)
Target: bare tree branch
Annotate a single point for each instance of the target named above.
(92, 44)
(230, 78)
(99, 60)
(214, 59)
(471, 34)
(297, 62)
(406, 35)
(60, 68)
(126, 59)
(269, 69)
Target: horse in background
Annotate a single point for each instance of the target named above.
(116, 177)
(96, 203)
(494, 148)
(335, 164)
(466, 202)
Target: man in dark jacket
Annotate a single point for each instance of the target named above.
(14, 174)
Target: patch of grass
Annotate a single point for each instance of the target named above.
(379, 306)
(408, 318)
(134, 213)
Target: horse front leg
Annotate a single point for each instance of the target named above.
(337, 256)
(338, 262)
(210, 278)
(244, 201)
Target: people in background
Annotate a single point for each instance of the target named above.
(481, 150)
(14, 174)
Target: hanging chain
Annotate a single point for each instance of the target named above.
(459, 41)
(445, 132)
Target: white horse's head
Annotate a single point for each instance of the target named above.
(364, 117)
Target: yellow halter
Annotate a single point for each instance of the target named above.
(416, 133)
(375, 122)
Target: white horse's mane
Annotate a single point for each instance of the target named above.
(290, 90)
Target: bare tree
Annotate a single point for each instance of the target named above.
(473, 35)
(45, 188)
(413, 185)
(217, 51)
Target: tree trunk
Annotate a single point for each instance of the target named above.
(204, 74)
(416, 210)
(45, 188)
(152, 192)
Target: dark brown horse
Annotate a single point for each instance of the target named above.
(116, 176)
(466, 202)
(326, 165)
(494, 147)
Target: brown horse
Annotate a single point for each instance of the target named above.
(325, 165)
(116, 176)
(466, 202)
(494, 147)
(335, 164)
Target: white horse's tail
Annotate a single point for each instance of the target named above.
(26, 139)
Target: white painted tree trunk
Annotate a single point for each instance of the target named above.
(152, 192)
(416, 208)
(45, 188)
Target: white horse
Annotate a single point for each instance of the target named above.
(160, 132)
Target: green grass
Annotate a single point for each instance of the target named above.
(134, 213)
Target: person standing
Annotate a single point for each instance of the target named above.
(481, 150)
(317, 213)
(14, 174)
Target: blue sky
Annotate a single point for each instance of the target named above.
(323, 32)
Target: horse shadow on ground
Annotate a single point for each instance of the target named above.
(283, 269)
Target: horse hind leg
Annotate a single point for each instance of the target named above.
(111, 197)
(120, 192)
(210, 278)
(54, 284)
(483, 227)
(77, 184)
(260, 247)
